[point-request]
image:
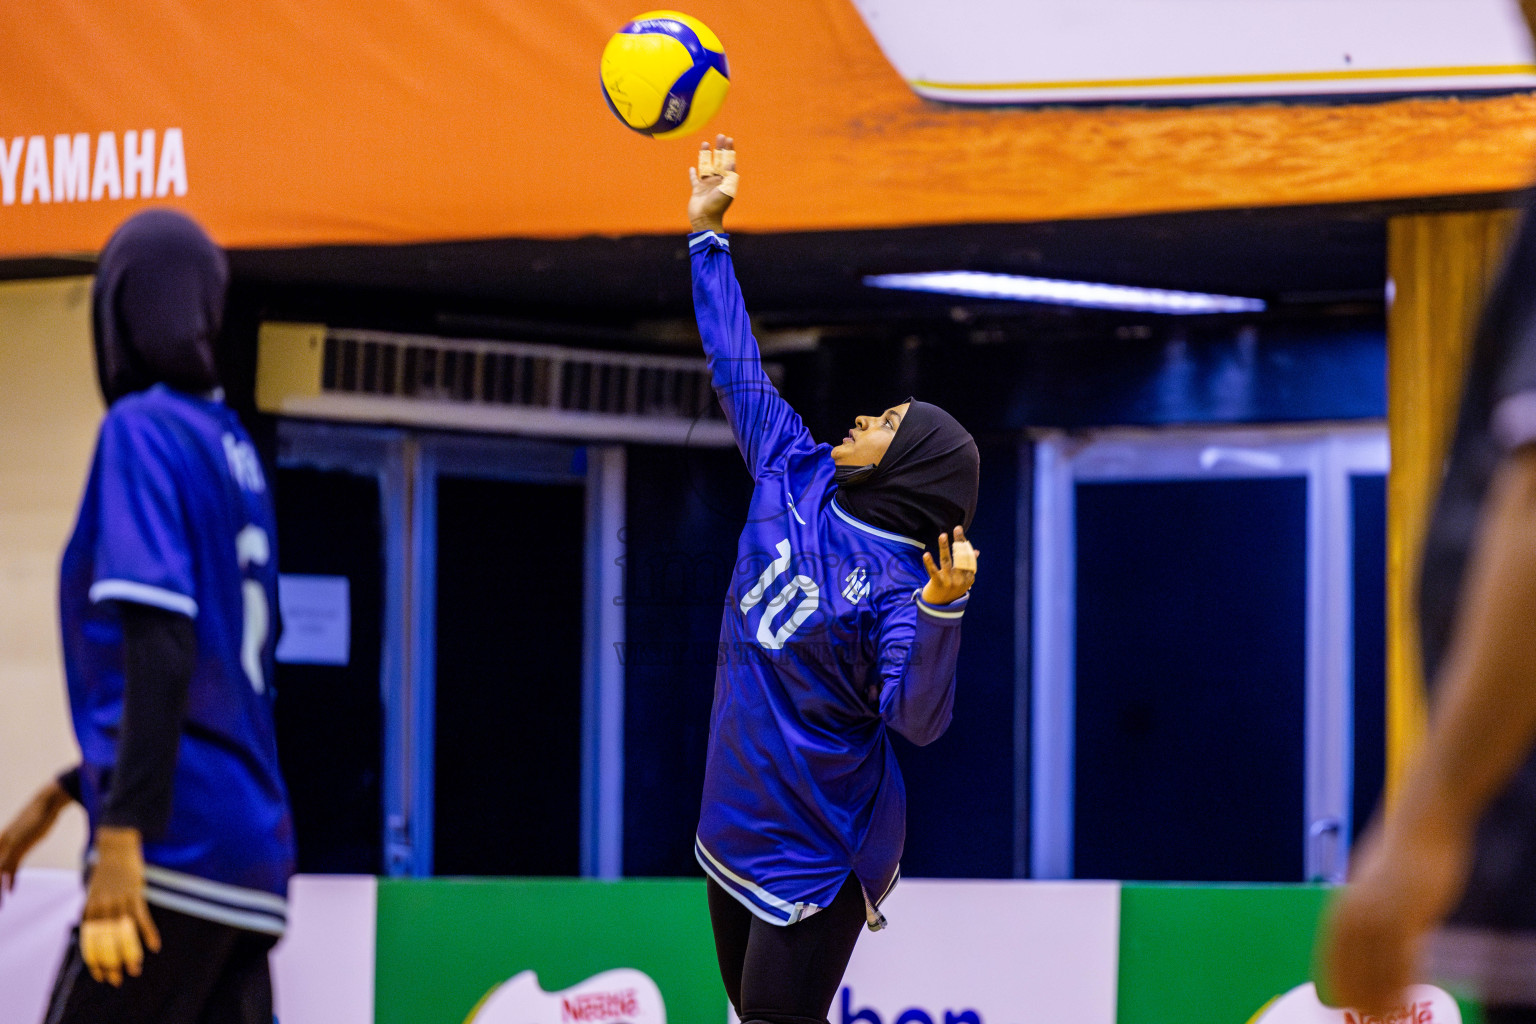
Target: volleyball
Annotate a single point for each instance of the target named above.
(664, 74)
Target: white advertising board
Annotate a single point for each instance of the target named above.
(974, 952)
(322, 970)
(35, 919)
(1073, 51)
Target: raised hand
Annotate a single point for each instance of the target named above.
(947, 580)
(714, 185)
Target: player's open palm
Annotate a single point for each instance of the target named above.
(714, 185)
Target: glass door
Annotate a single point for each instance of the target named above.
(504, 585)
(459, 603)
(1194, 669)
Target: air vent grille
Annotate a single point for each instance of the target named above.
(314, 371)
(514, 374)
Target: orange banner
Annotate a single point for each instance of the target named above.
(304, 122)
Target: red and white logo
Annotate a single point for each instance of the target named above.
(621, 996)
(1426, 1005)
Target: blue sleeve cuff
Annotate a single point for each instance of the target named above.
(699, 241)
(941, 612)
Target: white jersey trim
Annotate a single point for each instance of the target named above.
(883, 534)
(872, 916)
(192, 885)
(248, 920)
(746, 891)
(936, 612)
(236, 906)
(143, 593)
(706, 238)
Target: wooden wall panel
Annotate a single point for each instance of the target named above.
(1441, 267)
(48, 420)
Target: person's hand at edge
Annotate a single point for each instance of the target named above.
(116, 916)
(714, 184)
(27, 829)
(946, 583)
(1406, 878)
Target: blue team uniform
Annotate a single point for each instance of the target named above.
(824, 645)
(176, 515)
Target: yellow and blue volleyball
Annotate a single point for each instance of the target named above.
(664, 74)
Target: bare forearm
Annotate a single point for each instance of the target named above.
(54, 797)
(1484, 719)
(28, 828)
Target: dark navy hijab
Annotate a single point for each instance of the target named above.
(157, 305)
(924, 485)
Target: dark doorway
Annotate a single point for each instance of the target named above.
(330, 718)
(1191, 660)
(507, 793)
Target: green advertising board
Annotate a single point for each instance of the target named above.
(1196, 954)
(1187, 954)
(1209, 954)
(443, 944)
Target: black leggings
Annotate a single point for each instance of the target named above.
(785, 974)
(206, 973)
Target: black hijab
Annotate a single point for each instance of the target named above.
(157, 305)
(924, 485)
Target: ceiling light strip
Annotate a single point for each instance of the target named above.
(1085, 294)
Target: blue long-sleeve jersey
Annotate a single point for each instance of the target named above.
(176, 515)
(825, 645)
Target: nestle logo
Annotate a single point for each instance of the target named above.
(600, 1006)
(1413, 1013)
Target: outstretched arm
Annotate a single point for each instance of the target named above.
(766, 428)
(1412, 869)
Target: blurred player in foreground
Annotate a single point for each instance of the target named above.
(1459, 845)
(839, 625)
(166, 595)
